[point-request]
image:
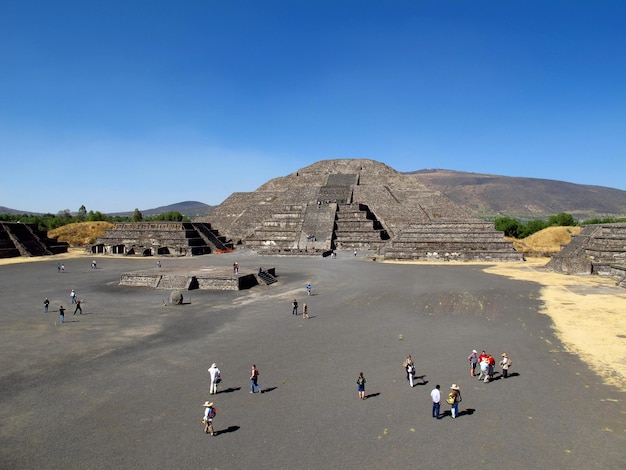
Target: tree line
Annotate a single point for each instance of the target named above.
(49, 221)
(517, 229)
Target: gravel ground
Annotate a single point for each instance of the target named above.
(122, 385)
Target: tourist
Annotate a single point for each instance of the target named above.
(62, 268)
(46, 303)
(360, 383)
(305, 311)
(435, 395)
(158, 263)
(308, 288)
(93, 264)
(473, 360)
(78, 307)
(484, 369)
(294, 307)
(58, 267)
(505, 363)
(454, 398)
(235, 268)
(216, 377)
(209, 414)
(62, 314)
(409, 367)
(254, 379)
(73, 296)
(492, 364)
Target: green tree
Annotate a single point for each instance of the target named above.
(509, 226)
(137, 217)
(533, 226)
(562, 220)
(81, 215)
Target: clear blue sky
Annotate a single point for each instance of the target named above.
(136, 104)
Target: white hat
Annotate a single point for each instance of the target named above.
(206, 403)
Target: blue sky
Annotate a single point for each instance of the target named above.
(136, 104)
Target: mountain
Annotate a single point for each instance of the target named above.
(191, 209)
(489, 196)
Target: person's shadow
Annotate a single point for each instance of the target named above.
(372, 395)
(268, 389)
(227, 430)
(229, 390)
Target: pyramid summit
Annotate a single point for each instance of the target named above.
(356, 204)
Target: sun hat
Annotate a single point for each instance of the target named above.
(504, 355)
(454, 387)
(206, 403)
(214, 365)
(474, 351)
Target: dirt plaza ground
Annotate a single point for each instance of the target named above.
(122, 385)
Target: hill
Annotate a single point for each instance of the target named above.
(81, 233)
(191, 209)
(490, 196)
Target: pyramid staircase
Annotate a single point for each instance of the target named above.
(357, 227)
(17, 239)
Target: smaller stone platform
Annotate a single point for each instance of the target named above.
(210, 278)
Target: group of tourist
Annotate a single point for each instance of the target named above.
(75, 301)
(486, 364)
(215, 375)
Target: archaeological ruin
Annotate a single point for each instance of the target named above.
(17, 239)
(597, 249)
(161, 238)
(357, 204)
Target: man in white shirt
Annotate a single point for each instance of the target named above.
(436, 397)
(216, 376)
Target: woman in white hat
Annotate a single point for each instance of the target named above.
(216, 377)
(505, 363)
(454, 398)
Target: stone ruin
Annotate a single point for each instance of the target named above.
(161, 238)
(357, 204)
(597, 249)
(17, 239)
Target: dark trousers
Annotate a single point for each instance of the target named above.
(436, 407)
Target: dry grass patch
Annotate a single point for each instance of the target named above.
(546, 241)
(81, 233)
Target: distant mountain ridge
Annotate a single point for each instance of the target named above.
(486, 196)
(191, 209)
(489, 196)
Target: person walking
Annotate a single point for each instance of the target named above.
(207, 420)
(58, 267)
(360, 383)
(473, 360)
(235, 267)
(73, 296)
(454, 398)
(435, 395)
(254, 379)
(216, 377)
(78, 307)
(505, 363)
(309, 287)
(294, 307)
(492, 364)
(305, 311)
(62, 314)
(46, 304)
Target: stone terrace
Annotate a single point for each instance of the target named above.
(18, 239)
(599, 249)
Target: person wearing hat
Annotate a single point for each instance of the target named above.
(209, 414)
(473, 360)
(505, 363)
(216, 377)
(454, 398)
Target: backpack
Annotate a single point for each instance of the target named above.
(211, 413)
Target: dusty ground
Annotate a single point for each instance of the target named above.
(587, 311)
